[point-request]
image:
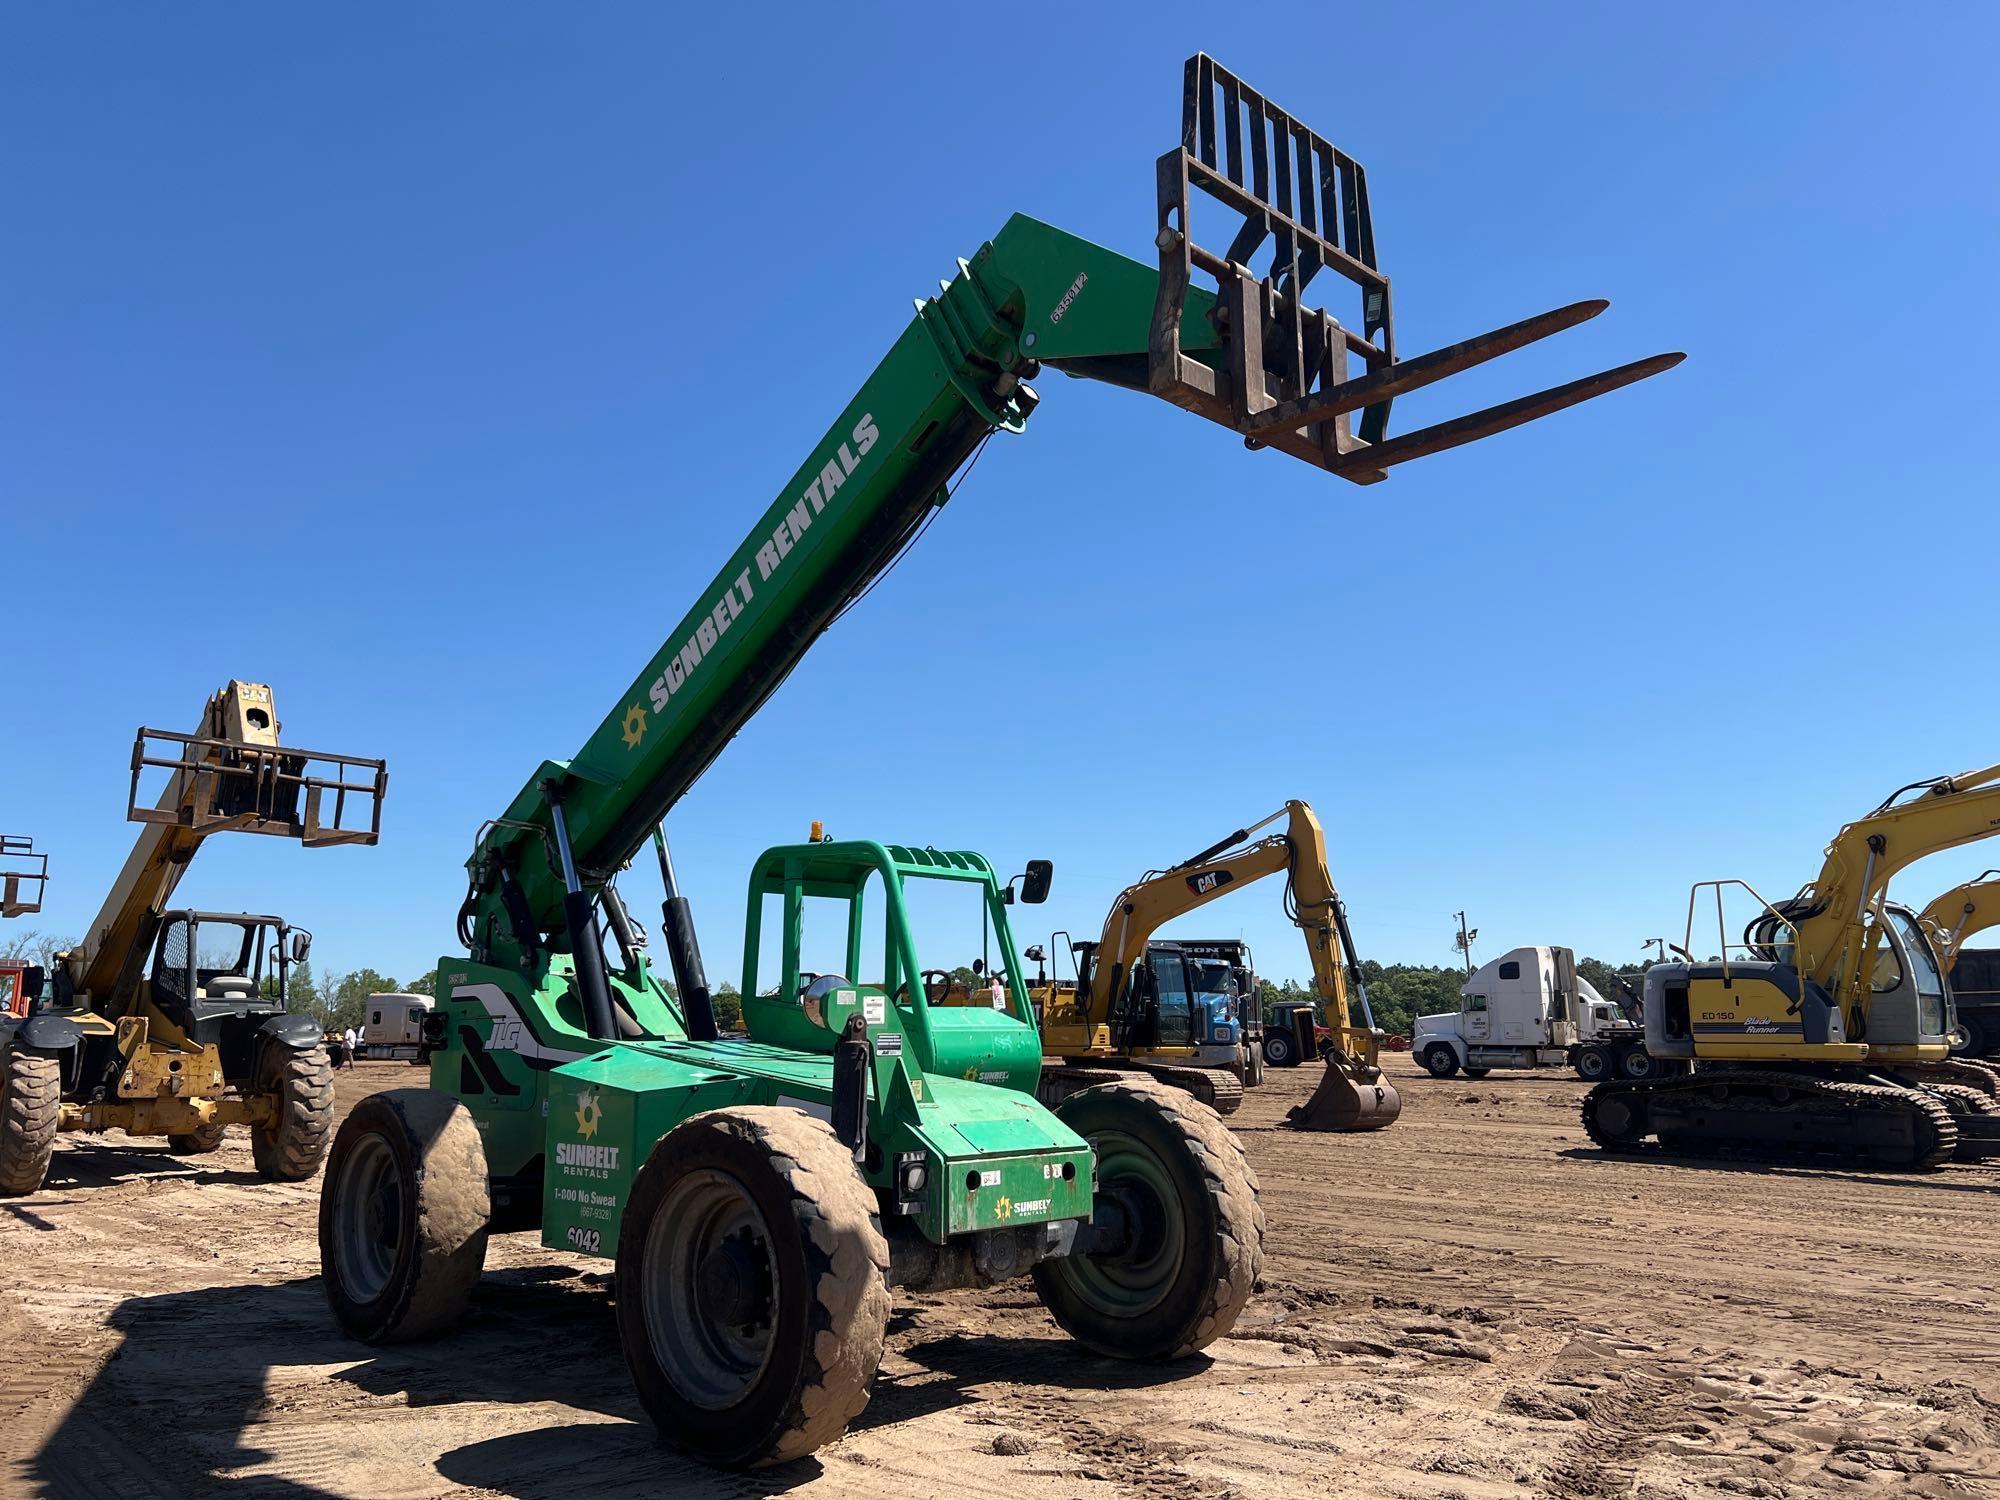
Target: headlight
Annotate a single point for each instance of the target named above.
(912, 1177)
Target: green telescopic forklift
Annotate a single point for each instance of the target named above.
(760, 1195)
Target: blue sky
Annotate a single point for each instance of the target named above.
(425, 363)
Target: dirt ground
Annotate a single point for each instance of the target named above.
(1474, 1303)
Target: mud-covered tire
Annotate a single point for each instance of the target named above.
(1195, 1242)
(197, 1142)
(771, 1197)
(1440, 1061)
(292, 1145)
(30, 1101)
(403, 1216)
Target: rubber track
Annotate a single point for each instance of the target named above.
(1219, 1089)
(1944, 1131)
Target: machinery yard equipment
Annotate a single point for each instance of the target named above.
(758, 1194)
(1962, 913)
(24, 878)
(171, 1022)
(22, 883)
(1529, 1008)
(1111, 1018)
(1830, 1038)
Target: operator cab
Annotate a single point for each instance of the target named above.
(207, 965)
(849, 904)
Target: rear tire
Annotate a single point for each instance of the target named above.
(403, 1216)
(1440, 1061)
(1969, 1038)
(197, 1142)
(1253, 1066)
(753, 1294)
(1281, 1049)
(1636, 1062)
(1196, 1246)
(292, 1145)
(1593, 1065)
(30, 1099)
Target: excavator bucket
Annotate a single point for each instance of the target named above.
(1352, 1095)
(1279, 372)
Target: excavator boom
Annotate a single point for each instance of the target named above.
(1353, 1095)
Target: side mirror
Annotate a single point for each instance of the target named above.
(1035, 882)
(302, 944)
(978, 967)
(1035, 953)
(31, 982)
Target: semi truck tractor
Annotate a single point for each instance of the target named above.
(1529, 1008)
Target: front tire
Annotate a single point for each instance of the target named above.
(403, 1216)
(1440, 1061)
(1195, 1239)
(1281, 1049)
(753, 1295)
(30, 1101)
(299, 1081)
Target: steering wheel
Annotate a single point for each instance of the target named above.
(937, 985)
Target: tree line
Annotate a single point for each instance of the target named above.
(1398, 993)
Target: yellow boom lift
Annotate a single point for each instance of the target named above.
(1101, 1025)
(172, 1022)
(1830, 1036)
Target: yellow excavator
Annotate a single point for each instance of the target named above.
(172, 1022)
(1108, 1021)
(1829, 1037)
(1960, 914)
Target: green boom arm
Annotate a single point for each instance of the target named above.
(1251, 355)
(956, 374)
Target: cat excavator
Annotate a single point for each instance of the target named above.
(1108, 1020)
(172, 1022)
(1829, 1038)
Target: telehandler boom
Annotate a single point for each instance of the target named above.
(25, 880)
(1831, 1036)
(169, 1022)
(575, 1091)
(1100, 1021)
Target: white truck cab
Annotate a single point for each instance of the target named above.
(393, 1027)
(1530, 1009)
